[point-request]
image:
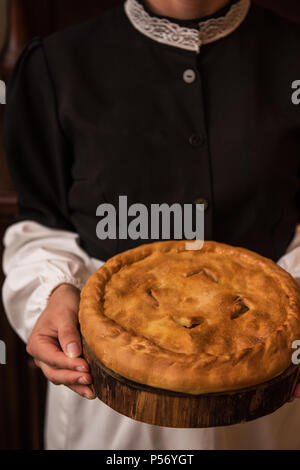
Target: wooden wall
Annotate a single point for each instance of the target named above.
(22, 387)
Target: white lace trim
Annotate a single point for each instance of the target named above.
(166, 32)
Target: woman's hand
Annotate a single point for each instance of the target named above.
(55, 342)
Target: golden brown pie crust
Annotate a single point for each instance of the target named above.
(216, 319)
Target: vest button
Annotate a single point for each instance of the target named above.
(197, 140)
(189, 76)
(203, 201)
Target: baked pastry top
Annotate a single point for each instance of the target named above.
(216, 319)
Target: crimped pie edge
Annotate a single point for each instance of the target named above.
(140, 360)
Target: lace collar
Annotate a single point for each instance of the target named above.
(191, 39)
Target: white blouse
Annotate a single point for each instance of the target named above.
(38, 259)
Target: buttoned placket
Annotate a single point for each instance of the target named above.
(191, 40)
(198, 143)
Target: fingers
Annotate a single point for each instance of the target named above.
(69, 338)
(55, 343)
(84, 392)
(64, 377)
(46, 349)
(71, 380)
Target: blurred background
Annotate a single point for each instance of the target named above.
(22, 386)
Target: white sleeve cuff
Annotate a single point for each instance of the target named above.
(37, 260)
(290, 261)
(46, 289)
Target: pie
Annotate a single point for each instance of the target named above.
(193, 321)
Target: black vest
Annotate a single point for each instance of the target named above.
(100, 110)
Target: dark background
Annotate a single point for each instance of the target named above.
(22, 387)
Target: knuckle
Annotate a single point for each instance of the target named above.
(55, 381)
(69, 331)
(68, 337)
(32, 346)
(51, 377)
(29, 348)
(53, 363)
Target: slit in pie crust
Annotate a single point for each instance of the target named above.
(218, 319)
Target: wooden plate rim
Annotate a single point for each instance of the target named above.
(146, 388)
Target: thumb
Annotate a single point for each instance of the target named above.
(69, 337)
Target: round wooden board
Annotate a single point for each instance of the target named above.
(178, 410)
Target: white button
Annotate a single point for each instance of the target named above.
(189, 76)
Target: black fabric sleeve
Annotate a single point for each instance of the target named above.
(39, 156)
